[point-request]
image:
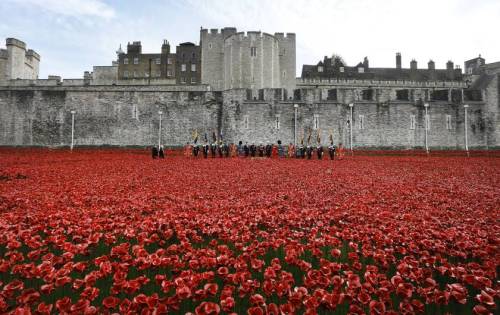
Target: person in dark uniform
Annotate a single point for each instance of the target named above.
(241, 149)
(269, 150)
(319, 151)
(225, 148)
(154, 152)
(309, 152)
(253, 150)
(196, 150)
(219, 149)
(246, 149)
(213, 149)
(331, 148)
(161, 153)
(205, 149)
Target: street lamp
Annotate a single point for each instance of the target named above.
(426, 105)
(72, 129)
(350, 125)
(466, 106)
(159, 130)
(296, 107)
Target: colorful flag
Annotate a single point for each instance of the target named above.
(195, 136)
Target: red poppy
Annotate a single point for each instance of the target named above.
(110, 302)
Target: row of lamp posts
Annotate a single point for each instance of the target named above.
(426, 119)
(296, 108)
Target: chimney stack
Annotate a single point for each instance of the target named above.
(413, 64)
(431, 65)
(450, 75)
(398, 60)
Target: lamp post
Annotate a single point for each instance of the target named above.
(350, 126)
(466, 106)
(159, 130)
(426, 105)
(72, 129)
(296, 107)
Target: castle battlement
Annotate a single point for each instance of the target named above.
(218, 32)
(378, 83)
(32, 54)
(15, 42)
(4, 54)
(249, 35)
(285, 36)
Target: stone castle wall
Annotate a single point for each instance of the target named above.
(128, 116)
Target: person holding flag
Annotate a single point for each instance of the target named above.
(213, 146)
(206, 147)
(319, 147)
(331, 147)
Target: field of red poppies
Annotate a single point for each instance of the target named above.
(113, 231)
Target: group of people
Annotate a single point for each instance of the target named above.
(158, 152)
(222, 149)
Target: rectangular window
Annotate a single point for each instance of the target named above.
(361, 122)
(210, 46)
(125, 74)
(183, 67)
(193, 80)
(361, 70)
(316, 122)
(277, 122)
(439, 95)
(193, 67)
(332, 95)
(341, 69)
(136, 60)
(183, 80)
(125, 61)
(320, 69)
(169, 61)
(448, 122)
(402, 95)
(412, 122)
(135, 112)
(245, 122)
(158, 61)
(136, 75)
(158, 74)
(284, 74)
(169, 73)
(367, 95)
(253, 51)
(428, 122)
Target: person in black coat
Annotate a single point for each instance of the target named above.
(154, 153)
(261, 150)
(331, 151)
(246, 149)
(253, 149)
(206, 148)
(213, 149)
(319, 152)
(309, 152)
(161, 153)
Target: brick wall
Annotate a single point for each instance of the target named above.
(41, 116)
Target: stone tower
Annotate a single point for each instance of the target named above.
(18, 63)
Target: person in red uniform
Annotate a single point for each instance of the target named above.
(291, 150)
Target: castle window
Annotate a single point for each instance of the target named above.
(193, 55)
(361, 70)
(284, 51)
(210, 46)
(158, 61)
(284, 74)
(193, 80)
(448, 122)
(245, 122)
(367, 95)
(136, 60)
(169, 61)
(169, 73)
(125, 61)
(412, 122)
(125, 74)
(158, 74)
(183, 67)
(332, 95)
(361, 122)
(341, 69)
(183, 80)
(253, 51)
(277, 122)
(135, 112)
(320, 69)
(193, 67)
(439, 95)
(402, 95)
(316, 122)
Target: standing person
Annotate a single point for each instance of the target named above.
(269, 150)
(291, 150)
(261, 150)
(161, 153)
(341, 151)
(213, 146)
(240, 148)
(226, 149)
(205, 149)
(196, 149)
(234, 150)
(154, 152)
(281, 150)
(253, 149)
(274, 151)
(331, 148)
(220, 148)
(319, 151)
(246, 149)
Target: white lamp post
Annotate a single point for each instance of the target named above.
(350, 125)
(465, 125)
(426, 105)
(296, 107)
(72, 129)
(159, 130)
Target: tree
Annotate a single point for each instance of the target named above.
(338, 58)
